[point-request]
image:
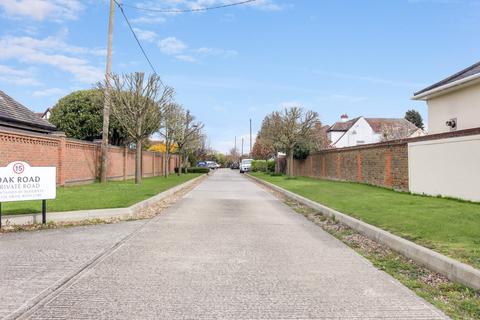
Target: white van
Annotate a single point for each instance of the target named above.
(246, 165)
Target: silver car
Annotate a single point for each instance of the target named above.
(246, 165)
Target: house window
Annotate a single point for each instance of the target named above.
(360, 142)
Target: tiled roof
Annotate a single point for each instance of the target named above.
(470, 71)
(400, 125)
(343, 126)
(17, 115)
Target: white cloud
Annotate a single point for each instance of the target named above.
(145, 35)
(181, 51)
(16, 76)
(216, 52)
(52, 51)
(149, 19)
(48, 92)
(185, 57)
(171, 46)
(39, 10)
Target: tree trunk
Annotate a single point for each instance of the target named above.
(186, 163)
(180, 165)
(138, 162)
(290, 163)
(166, 166)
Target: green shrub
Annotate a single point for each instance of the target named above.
(198, 170)
(258, 166)
(271, 165)
(263, 165)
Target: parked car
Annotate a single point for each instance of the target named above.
(246, 165)
(212, 165)
(202, 164)
(235, 166)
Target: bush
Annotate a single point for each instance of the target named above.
(271, 165)
(301, 151)
(263, 165)
(198, 170)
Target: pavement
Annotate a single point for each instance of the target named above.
(227, 250)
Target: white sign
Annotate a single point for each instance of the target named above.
(20, 182)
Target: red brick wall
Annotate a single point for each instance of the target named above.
(80, 161)
(383, 165)
(76, 161)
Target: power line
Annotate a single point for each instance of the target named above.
(135, 36)
(190, 10)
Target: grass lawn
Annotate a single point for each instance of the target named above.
(114, 194)
(448, 226)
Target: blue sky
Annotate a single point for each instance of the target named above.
(229, 65)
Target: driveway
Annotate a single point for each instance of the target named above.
(227, 250)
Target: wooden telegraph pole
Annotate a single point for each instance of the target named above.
(107, 101)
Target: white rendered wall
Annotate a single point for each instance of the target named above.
(447, 167)
(463, 104)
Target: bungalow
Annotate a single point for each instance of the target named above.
(454, 102)
(361, 130)
(14, 115)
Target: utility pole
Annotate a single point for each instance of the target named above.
(107, 101)
(250, 153)
(241, 156)
(235, 149)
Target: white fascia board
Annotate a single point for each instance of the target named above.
(448, 87)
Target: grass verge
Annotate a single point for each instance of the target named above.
(148, 212)
(455, 300)
(448, 226)
(114, 194)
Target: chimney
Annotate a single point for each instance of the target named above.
(344, 117)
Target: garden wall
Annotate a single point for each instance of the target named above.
(76, 161)
(386, 164)
(383, 165)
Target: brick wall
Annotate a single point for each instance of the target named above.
(76, 161)
(383, 165)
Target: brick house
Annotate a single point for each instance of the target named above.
(361, 130)
(454, 102)
(15, 116)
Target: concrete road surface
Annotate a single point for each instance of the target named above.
(228, 250)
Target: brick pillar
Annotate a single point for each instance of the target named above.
(388, 170)
(61, 159)
(359, 167)
(125, 162)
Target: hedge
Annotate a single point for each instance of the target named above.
(263, 165)
(195, 170)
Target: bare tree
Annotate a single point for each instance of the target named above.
(187, 138)
(282, 131)
(172, 125)
(137, 104)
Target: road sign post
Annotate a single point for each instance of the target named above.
(21, 182)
